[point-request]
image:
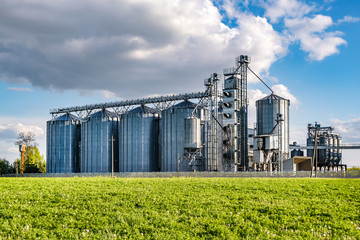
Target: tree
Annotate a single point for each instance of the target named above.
(5, 167)
(27, 139)
(33, 161)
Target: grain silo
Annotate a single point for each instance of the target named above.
(96, 148)
(62, 139)
(328, 147)
(271, 142)
(172, 135)
(139, 140)
(268, 110)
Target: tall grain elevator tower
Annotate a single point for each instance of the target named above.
(235, 116)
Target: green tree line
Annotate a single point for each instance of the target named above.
(33, 161)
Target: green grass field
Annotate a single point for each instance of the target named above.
(179, 208)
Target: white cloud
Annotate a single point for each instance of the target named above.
(350, 133)
(259, 40)
(276, 9)
(302, 25)
(312, 36)
(297, 133)
(253, 96)
(283, 91)
(131, 48)
(349, 129)
(13, 150)
(9, 134)
(108, 94)
(11, 131)
(349, 19)
(137, 48)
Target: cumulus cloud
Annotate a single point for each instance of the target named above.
(259, 40)
(301, 24)
(130, 48)
(11, 131)
(137, 48)
(108, 94)
(283, 91)
(349, 130)
(313, 38)
(253, 96)
(276, 9)
(255, 37)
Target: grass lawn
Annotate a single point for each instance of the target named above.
(179, 208)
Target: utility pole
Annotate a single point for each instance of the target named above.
(112, 156)
(314, 157)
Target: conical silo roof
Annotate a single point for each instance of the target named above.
(104, 113)
(143, 109)
(273, 97)
(184, 104)
(67, 117)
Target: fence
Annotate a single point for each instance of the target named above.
(299, 174)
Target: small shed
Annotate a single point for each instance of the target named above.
(297, 163)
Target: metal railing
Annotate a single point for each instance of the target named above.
(175, 97)
(298, 174)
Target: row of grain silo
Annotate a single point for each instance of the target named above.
(140, 140)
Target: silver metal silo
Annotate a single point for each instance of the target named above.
(139, 140)
(192, 130)
(339, 142)
(310, 142)
(172, 137)
(323, 153)
(335, 148)
(331, 150)
(63, 136)
(96, 133)
(267, 111)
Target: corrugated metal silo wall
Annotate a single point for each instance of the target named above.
(62, 150)
(266, 113)
(96, 152)
(172, 137)
(139, 143)
(323, 153)
(339, 150)
(49, 160)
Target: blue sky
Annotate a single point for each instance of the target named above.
(56, 54)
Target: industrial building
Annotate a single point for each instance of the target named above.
(200, 131)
